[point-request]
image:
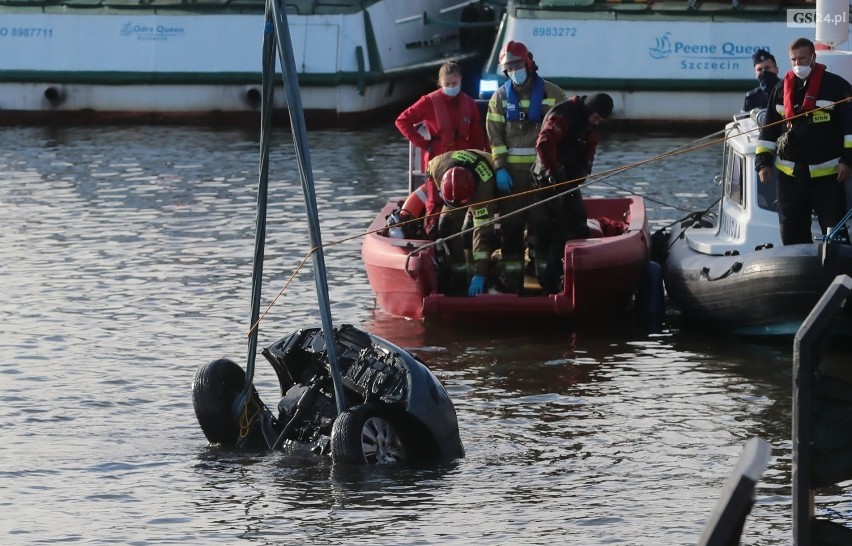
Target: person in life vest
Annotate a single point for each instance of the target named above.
(513, 121)
(446, 119)
(808, 134)
(459, 184)
(565, 151)
(766, 72)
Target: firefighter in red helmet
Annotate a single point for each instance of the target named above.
(515, 113)
(459, 184)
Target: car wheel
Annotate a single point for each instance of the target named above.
(367, 434)
(215, 389)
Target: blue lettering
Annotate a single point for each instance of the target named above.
(680, 47)
(737, 50)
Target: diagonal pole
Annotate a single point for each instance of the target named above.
(260, 219)
(277, 16)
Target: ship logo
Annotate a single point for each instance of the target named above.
(148, 32)
(663, 49)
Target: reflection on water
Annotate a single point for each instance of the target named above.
(125, 258)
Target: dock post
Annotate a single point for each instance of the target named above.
(822, 421)
(725, 525)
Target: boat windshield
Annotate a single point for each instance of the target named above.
(734, 178)
(740, 179)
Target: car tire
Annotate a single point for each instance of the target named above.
(215, 389)
(368, 434)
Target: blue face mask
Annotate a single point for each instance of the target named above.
(451, 91)
(519, 76)
(767, 80)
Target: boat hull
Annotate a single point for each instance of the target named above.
(601, 275)
(763, 292)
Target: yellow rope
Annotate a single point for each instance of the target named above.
(245, 419)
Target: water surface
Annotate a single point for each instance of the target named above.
(125, 259)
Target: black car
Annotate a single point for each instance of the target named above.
(396, 409)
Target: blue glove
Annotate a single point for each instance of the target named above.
(504, 182)
(477, 285)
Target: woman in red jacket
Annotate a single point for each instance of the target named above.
(445, 120)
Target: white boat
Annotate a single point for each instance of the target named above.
(82, 60)
(663, 61)
(728, 268)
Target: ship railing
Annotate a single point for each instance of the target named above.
(297, 7)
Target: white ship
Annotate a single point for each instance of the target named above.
(664, 62)
(83, 60)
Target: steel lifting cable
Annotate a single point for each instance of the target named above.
(690, 147)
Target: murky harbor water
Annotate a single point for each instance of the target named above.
(125, 259)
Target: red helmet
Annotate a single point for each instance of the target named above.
(457, 186)
(513, 53)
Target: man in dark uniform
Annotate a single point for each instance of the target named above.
(766, 72)
(812, 149)
(565, 150)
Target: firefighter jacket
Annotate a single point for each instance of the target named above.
(566, 145)
(820, 138)
(453, 123)
(426, 201)
(514, 119)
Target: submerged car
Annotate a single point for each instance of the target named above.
(397, 412)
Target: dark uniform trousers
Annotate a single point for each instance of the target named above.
(797, 195)
(565, 219)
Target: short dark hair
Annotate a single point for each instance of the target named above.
(802, 42)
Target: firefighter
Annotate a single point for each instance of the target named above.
(513, 121)
(566, 150)
(463, 179)
(812, 149)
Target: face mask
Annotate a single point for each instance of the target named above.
(802, 72)
(518, 77)
(767, 80)
(451, 91)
